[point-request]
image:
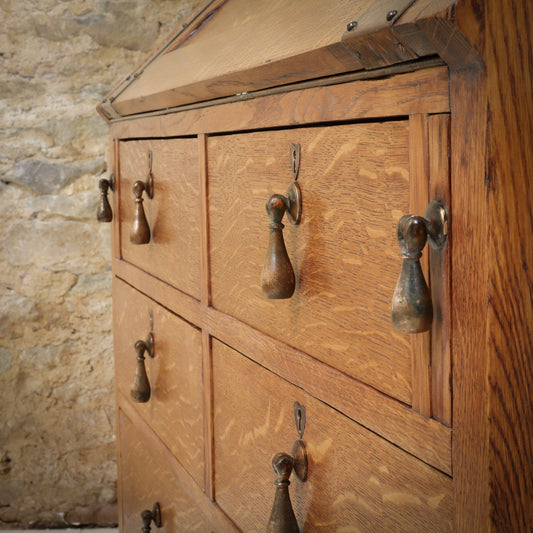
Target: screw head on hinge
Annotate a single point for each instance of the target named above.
(391, 15)
(351, 25)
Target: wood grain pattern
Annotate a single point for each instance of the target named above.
(354, 182)
(177, 301)
(422, 91)
(440, 272)
(114, 168)
(469, 302)
(147, 478)
(508, 52)
(419, 435)
(175, 409)
(218, 521)
(357, 481)
(173, 214)
(238, 32)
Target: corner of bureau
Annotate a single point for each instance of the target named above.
(262, 382)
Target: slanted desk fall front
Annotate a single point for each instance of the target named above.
(248, 338)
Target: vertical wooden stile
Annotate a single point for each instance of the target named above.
(205, 302)
(469, 265)
(439, 185)
(115, 229)
(418, 201)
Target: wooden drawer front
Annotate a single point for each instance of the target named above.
(173, 214)
(175, 407)
(357, 481)
(147, 478)
(355, 186)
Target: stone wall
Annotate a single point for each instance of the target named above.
(58, 58)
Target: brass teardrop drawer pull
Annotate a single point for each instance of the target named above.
(282, 518)
(140, 390)
(104, 212)
(277, 277)
(412, 308)
(148, 517)
(140, 230)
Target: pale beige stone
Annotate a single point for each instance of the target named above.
(58, 59)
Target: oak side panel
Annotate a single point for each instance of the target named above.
(469, 264)
(509, 56)
(355, 186)
(147, 478)
(173, 214)
(175, 408)
(356, 482)
(422, 91)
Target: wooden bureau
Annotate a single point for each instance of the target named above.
(367, 111)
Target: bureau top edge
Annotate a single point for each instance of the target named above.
(236, 48)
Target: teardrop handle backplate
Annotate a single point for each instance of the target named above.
(412, 308)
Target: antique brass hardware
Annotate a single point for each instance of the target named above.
(277, 277)
(140, 390)
(148, 517)
(140, 231)
(282, 518)
(412, 308)
(104, 212)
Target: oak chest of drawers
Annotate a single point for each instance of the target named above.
(247, 339)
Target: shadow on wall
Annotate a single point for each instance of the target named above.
(57, 443)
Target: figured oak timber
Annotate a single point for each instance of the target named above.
(420, 436)
(364, 483)
(344, 242)
(509, 184)
(174, 251)
(175, 408)
(147, 480)
(440, 272)
(149, 472)
(470, 269)
(423, 91)
(347, 36)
